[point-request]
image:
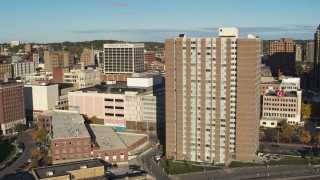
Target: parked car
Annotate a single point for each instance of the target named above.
(115, 165)
(134, 166)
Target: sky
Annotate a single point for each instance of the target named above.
(44, 21)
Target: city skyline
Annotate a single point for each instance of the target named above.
(83, 20)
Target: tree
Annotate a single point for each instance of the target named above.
(299, 68)
(305, 136)
(261, 135)
(288, 131)
(93, 119)
(305, 110)
(40, 135)
(20, 127)
(86, 119)
(317, 137)
(151, 128)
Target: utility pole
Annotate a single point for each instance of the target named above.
(278, 136)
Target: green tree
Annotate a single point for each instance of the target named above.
(151, 128)
(93, 119)
(299, 68)
(41, 136)
(19, 127)
(305, 110)
(86, 119)
(289, 131)
(305, 136)
(317, 138)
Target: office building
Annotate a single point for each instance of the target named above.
(14, 43)
(298, 52)
(316, 56)
(12, 108)
(123, 59)
(40, 97)
(282, 56)
(57, 59)
(282, 104)
(86, 57)
(58, 74)
(212, 97)
(5, 67)
(124, 104)
(23, 68)
(310, 52)
(83, 78)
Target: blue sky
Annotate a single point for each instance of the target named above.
(145, 20)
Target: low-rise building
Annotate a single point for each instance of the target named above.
(70, 139)
(282, 104)
(84, 78)
(136, 104)
(114, 147)
(85, 169)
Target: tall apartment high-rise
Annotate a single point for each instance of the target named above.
(213, 97)
(310, 52)
(123, 58)
(12, 110)
(282, 56)
(316, 64)
(57, 59)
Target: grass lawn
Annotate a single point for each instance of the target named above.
(289, 160)
(7, 150)
(184, 167)
(235, 164)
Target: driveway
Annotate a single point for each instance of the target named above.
(26, 138)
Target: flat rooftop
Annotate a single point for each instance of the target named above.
(119, 88)
(68, 125)
(129, 138)
(62, 169)
(286, 94)
(273, 118)
(107, 138)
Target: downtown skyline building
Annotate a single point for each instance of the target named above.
(213, 97)
(316, 64)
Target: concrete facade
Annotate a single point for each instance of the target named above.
(57, 59)
(212, 97)
(23, 68)
(123, 58)
(84, 78)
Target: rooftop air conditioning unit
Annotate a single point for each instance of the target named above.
(84, 167)
(49, 173)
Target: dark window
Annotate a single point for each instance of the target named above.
(119, 107)
(109, 114)
(119, 100)
(120, 115)
(107, 99)
(109, 107)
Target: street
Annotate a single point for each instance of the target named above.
(147, 162)
(26, 138)
(274, 172)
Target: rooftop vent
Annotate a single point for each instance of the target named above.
(83, 167)
(49, 173)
